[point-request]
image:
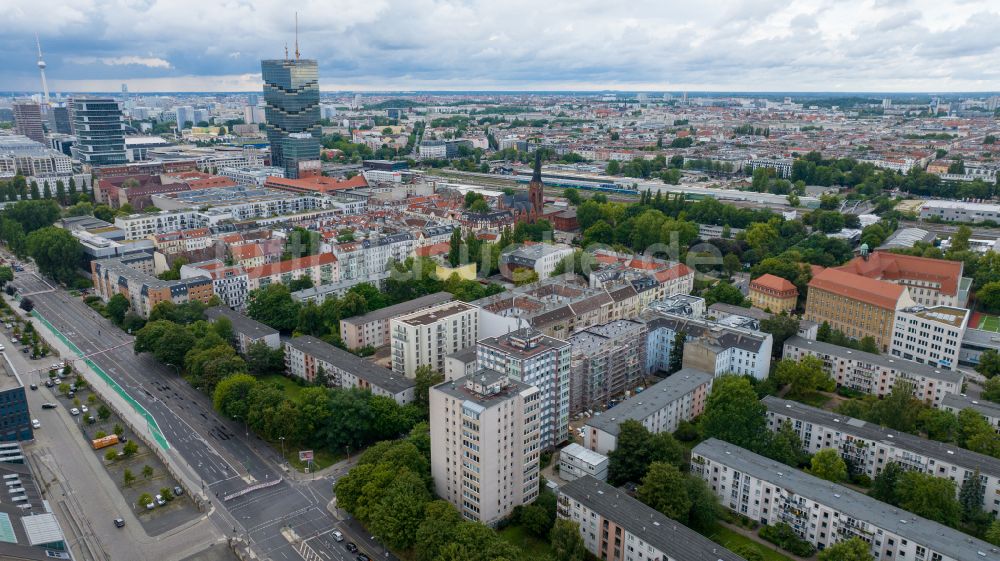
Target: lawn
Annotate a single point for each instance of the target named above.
(815, 399)
(292, 390)
(990, 323)
(730, 539)
(321, 458)
(532, 546)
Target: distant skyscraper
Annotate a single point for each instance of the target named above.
(291, 107)
(185, 114)
(28, 118)
(59, 119)
(100, 131)
(41, 69)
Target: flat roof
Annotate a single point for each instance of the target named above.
(369, 372)
(947, 315)
(654, 398)
(933, 535)
(241, 324)
(402, 308)
(898, 364)
(584, 454)
(457, 387)
(982, 406)
(648, 524)
(432, 315)
(950, 453)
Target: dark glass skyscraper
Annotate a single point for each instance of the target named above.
(291, 106)
(100, 131)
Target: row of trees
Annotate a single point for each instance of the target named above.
(17, 188)
(26, 228)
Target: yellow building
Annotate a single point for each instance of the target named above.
(464, 272)
(772, 293)
(855, 305)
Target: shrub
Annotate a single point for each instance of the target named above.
(100, 434)
(783, 536)
(145, 499)
(111, 455)
(166, 493)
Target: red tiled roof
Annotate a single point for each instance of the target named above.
(856, 287)
(894, 267)
(317, 184)
(291, 265)
(432, 250)
(246, 251)
(675, 272)
(773, 283)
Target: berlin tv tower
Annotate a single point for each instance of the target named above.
(41, 68)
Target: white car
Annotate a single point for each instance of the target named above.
(160, 501)
(83, 409)
(35, 424)
(54, 367)
(2, 348)
(74, 411)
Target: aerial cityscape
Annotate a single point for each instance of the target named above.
(461, 281)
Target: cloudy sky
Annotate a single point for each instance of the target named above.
(658, 45)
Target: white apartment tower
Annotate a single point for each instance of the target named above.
(484, 444)
(428, 336)
(541, 361)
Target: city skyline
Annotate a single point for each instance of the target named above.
(763, 46)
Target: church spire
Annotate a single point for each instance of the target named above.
(537, 175)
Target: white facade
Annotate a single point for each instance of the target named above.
(823, 513)
(138, 226)
(576, 461)
(426, 337)
(930, 336)
(484, 444)
(252, 176)
(306, 355)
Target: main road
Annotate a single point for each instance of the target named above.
(224, 456)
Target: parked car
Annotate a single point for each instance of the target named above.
(2, 348)
(49, 406)
(119, 522)
(35, 424)
(151, 504)
(84, 409)
(159, 500)
(351, 547)
(49, 384)
(178, 490)
(363, 557)
(74, 411)
(33, 386)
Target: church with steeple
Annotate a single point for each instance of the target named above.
(528, 208)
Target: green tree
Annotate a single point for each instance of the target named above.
(232, 395)
(734, 414)
(437, 528)
(802, 377)
(117, 307)
(781, 327)
(636, 448)
(854, 549)
(455, 248)
(56, 252)
(731, 263)
(991, 390)
(786, 446)
(567, 545)
(273, 305)
(572, 195)
(932, 497)
(827, 464)
(130, 448)
(723, 292)
(103, 413)
(263, 360)
(989, 296)
(425, 378)
(613, 168)
(535, 520)
(397, 515)
(664, 488)
(168, 341)
(989, 363)
(676, 361)
(970, 497)
(128, 478)
(6, 275)
(147, 471)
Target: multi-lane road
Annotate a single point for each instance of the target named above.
(218, 452)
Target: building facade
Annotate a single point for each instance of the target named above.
(132, 276)
(660, 408)
(575, 461)
(708, 345)
(541, 361)
(485, 444)
(426, 337)
(774, 294)
(607, 361)
(28, 120)
(100, 131)
(931, 336)
(822, 513)
(372, 329)
(306, 357)
(291, 107)
(930, 282)
(877, 374)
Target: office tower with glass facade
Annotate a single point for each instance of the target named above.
(28, 118)
(291, 107)
(100, 131)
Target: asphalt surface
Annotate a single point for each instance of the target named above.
(217, 450)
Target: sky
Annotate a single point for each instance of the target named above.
(931, 46)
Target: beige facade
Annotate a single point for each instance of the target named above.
(426, 337)
(484, 444)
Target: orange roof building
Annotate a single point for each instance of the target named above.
(773, 293)
(316, 184)
(321, 268)
(856, 305)
(931, 282)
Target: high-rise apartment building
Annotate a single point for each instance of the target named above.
(100, 131)
(28, 120)
(534, 358)
(426, 337)
(607, 361)
(485, 444)
(291, 98)
(184, 115)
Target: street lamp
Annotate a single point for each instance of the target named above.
(282, 439)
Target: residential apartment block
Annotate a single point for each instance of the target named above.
(931, 282)
(182, 241)
(540, 257)
(988, 409)
(485, 444)
(305, 356)
(877, 374)
(132, 276)
(576, 461)
(426, 337)
(710, 346)
(143, 225)
(246, 331)
(615, 526)
(823, 513)
(536, 359)
(229, 282)
(868, 447)
(372, 329)
(930, 336)
(774, 294)
(660, 408)
(856, 305)
(607, 361)
(321, 268)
